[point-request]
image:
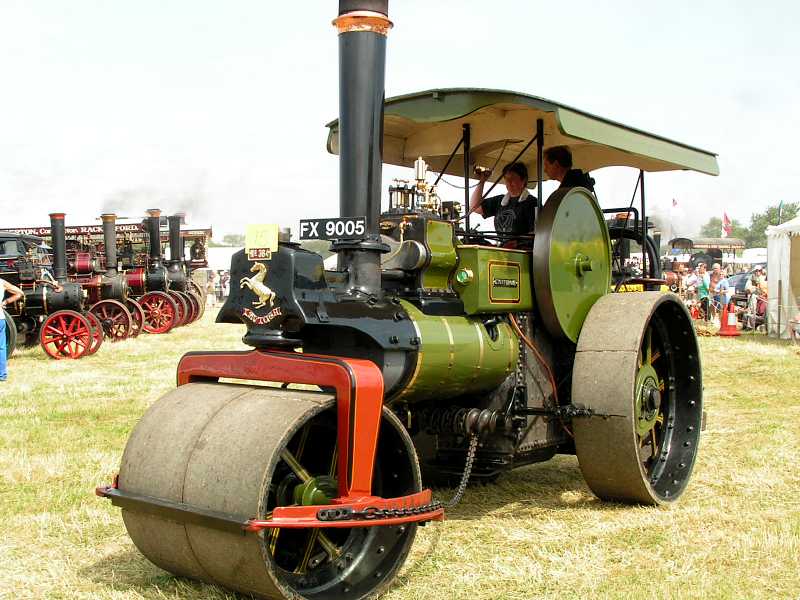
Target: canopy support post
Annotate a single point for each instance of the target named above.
(449, 160)
(644, 223)
(465, 139)
(539, 166)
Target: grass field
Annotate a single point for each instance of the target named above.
(537, 533)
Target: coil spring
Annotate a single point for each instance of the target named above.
(463, 421)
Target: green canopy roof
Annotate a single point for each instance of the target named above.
(429, 124)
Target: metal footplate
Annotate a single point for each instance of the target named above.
(369, 511)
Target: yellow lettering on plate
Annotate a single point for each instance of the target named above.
(260, 241)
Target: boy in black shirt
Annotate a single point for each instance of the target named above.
(558, 166)
(513, 212)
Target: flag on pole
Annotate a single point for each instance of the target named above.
(726, 225)
(780, 211)
(674, 203)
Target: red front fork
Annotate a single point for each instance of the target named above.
(359, 401)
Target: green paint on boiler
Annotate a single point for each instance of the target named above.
(457, 355)
(439, 239)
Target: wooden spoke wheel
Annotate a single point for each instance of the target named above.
(192, 312)
(182, 315)
(160, 312)
(199, 295)
(115, 319)
(285, 454)
(11, 334)
(137, 314)
(97, 333)
(637, 368)
(65, 334)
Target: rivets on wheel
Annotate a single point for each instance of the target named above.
(687, 444)
(690, 428)
(381, 550)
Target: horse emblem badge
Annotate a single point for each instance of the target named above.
(256, 284)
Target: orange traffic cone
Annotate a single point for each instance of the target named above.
(728, 321)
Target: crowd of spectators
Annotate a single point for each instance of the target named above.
(707, 291)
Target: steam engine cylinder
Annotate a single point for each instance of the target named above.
(43, 299)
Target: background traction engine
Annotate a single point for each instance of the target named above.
(106, 288)
(65, 330)
(434, 362)
(161, 289)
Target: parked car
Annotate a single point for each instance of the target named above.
(739, 284)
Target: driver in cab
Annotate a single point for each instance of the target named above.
(513, 212)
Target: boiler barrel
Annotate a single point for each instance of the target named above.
(457, 356)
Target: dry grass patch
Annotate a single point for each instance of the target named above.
(536, 533)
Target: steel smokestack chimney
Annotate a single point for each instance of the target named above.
(363, 26)
(154, 233)
(58, 237)
(175, 242)
(110, 241)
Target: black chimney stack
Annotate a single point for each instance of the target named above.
(59, 240)
(110, 242)
(363, 26)
(175, 242)
(154, 233)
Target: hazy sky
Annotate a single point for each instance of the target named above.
(218, 108)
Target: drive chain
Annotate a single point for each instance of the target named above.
(373, 512)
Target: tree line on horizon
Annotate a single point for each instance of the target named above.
(754, 234)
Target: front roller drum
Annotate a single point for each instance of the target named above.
(637, 368)
(243, 451)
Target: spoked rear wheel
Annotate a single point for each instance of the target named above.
(10, 333)
(285, 454)
(182, 315)
(115, 318)
(638, 369)
(137, 314)
(97, 333)
(160, 312)
(65, 334)
(194, 306)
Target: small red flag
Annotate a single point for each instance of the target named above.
(726, 225)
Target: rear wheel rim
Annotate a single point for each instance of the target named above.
(115, 318)
(137, 314)
(181, 316)
(65, 334)
(647, 384)
(97, 333)
(159, 312)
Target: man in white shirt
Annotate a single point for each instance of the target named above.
(14, 294)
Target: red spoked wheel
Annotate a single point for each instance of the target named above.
(195, 302)
(183, 310)
(199, 295)
(65, 334)
(97, 333)
(191, 308)
(115, 318)
(160, 312)
(137, 313)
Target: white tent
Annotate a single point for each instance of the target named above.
(783, 271)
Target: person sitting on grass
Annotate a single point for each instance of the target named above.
(794, 328)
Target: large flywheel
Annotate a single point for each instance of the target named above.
(243, 451)
(571, 260)
(637, 368)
